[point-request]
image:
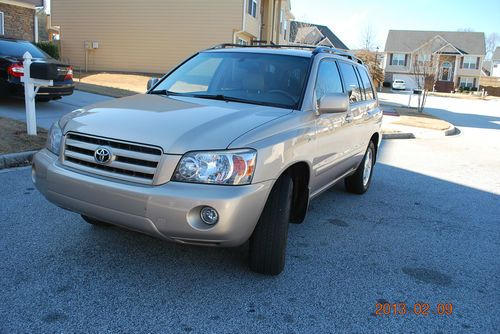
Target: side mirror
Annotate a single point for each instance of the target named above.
(333, 103)
(152, 82)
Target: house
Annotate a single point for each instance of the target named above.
(314, 34)
(495, 63)
(454, 58)
(18, 19)
(152, 36)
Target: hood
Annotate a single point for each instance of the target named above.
(176, 124)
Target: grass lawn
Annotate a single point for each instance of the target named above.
(410, 117)
(13, 137)
(112, 84)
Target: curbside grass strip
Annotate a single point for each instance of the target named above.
(16, 159)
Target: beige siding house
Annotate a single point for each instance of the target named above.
(153, 35)
(456, 58)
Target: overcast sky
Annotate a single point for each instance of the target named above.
(348, 19)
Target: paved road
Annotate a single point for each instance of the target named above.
(427, 231)
(48, 112)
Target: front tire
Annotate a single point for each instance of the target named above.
(268, 241)
(359, 182)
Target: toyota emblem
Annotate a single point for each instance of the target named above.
(102, 155)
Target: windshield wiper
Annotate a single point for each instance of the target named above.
(163, 92)
(221, 97)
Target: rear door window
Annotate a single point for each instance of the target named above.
(367, 84)
(351, 82)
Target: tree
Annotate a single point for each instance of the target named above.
(424, 68)
(492, 41)
(368, 38)
(372, 62)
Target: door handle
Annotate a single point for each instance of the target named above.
(349, 118)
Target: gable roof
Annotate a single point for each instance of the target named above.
(325, 31)
(496, 54)
(409, 40)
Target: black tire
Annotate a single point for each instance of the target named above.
(268, 241)
(94, 222)
(354, 183)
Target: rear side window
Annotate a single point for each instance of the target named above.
(367, 84)
(351, 82)
(17, 49)
(328, 80)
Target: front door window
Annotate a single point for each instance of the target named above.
(446, 71)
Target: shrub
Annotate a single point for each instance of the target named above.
(473, 89)
(50, 48)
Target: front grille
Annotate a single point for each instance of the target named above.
(130, 162)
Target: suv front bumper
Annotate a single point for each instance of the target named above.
(169, 211)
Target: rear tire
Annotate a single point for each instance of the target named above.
(94, 222)
(360, 181)
(268, 241)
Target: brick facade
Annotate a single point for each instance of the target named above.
(19, 22)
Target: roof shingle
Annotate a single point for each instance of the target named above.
(496, 54)
(323, 29)
(409, 40)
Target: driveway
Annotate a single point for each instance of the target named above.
(427, 231)
(48, 112)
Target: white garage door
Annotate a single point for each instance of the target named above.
(408, 79)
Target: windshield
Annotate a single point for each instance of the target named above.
(17, 49)
(268, 79)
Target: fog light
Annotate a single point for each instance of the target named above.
(209, 215)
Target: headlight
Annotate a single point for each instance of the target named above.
(54, 138)
(221, 167)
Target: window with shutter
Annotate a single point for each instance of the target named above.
(469, 62)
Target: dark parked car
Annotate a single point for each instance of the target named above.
(11, 71)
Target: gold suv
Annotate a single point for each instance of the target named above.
(228, 147)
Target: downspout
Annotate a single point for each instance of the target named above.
(244, 21)
(36, 26)
(272, 24)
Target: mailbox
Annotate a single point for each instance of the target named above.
(47, 71)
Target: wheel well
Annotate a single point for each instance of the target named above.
(375, 139)
(300, 175)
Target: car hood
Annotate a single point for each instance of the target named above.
(176, 124)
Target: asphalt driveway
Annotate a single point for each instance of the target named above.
(428, 231)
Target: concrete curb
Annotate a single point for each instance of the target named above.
(452, 130)
(16, 159)
(400, 135)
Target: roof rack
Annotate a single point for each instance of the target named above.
(316, 49)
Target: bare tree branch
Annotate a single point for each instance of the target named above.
(492, 41)
(368, 37)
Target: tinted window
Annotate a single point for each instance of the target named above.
(367, 84)
(254, 78)
(17, 49)
(351, 82)
(328, 80)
